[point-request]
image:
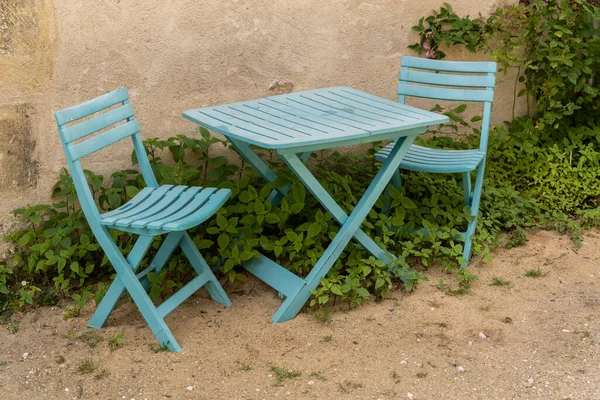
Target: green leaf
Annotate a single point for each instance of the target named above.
(461, 108)
(221, 221)
(313, 230)
(272, 218)
(223, 241)
(204, 244)
(408, 203)
(131, 191)
(362, 292)
(74, 267)
(23, 240)
(296, 208)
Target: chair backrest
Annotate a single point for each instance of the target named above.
(450, 80)
(117, 122)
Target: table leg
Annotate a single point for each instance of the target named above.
(263, 169)
(350, 225)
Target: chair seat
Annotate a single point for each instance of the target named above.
(419, 158)
(167, 208)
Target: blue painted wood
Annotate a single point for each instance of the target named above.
(482, 81)
(155, 210)
(445, 93)
(313, 185)
(292, 304)
(274, 275)
(475, 81)
(448, 66)
(98, 123)
(90, 107)
(329, 116)
(182, 294)
(297, 124)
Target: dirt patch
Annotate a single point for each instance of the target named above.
(536, 338)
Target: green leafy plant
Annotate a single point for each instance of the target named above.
(115, 341)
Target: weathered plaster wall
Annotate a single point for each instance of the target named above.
(175, 55)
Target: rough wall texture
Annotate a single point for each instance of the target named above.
(182, 54)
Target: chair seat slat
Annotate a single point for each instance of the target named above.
(208, 209)
(142, 206)
(176, 206)
(424, 159)
(165, 201)
(138, 198)
(192, 207)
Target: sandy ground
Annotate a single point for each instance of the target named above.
(538, 338)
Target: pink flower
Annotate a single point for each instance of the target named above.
(426, 46)
(430, 54)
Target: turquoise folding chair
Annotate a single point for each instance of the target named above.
(460, 81)
(154, 211)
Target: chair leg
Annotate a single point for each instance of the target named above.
(466, 178)
(215, 290)
(475, 198)
(116, 289)
(396, 182)
(396, 179)
(162, 256)
(127, 277)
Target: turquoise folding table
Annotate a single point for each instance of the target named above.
(296, 124)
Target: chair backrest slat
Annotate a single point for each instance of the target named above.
(90, 107)
(119, 123)
(445, 93)
(107, 138)
(474, 67)
(469, 81)
(93, 125)
(481, 81)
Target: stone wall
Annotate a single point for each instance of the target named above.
(176, 55)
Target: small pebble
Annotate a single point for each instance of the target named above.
(66, 389)
(311, 382)
(410, 395)
(482, 335)
(529, 383)
(25, 356)
(404, 362)
(190, 388)
(460, 369)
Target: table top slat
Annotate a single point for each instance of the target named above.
(287, 113)
(338, 122)
(385, 104)
(328, 115)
